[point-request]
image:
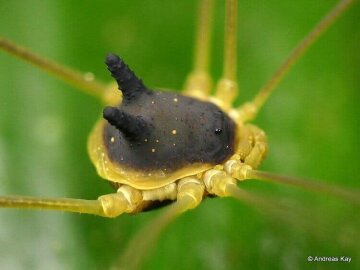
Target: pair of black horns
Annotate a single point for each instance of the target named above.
(133, 127)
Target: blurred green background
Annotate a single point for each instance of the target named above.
(312, 122)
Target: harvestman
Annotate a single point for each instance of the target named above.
(160, 147)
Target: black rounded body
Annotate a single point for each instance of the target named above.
(169, 132)
(161, 131)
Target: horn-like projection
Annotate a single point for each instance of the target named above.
(130, 85)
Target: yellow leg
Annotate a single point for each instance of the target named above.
(227, 88)
(81, 81)
(242, 171)
(259, 150)
(59, 204)
(198, 83)
(110, 205)
(190, 194)
(237, 169)
(352, 196)
(249, 111)
(217, 182)
(252, 145)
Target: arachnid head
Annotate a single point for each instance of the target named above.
(158, 136)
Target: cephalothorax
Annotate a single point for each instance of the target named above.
(164, 131)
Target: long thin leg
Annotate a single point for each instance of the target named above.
(342, 193)
(60, 204)
(189, 196)
(219, 183)
(82, 81)
(250, 110)
(198, 83)
(299, 217)
(227, 87)
(242, 172)
(144, 240)
(285, 212)
(109, 205)
(230, 40)
(274, 208)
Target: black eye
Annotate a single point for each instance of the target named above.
(218, 131)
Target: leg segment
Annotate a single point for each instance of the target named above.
(198, 83)
(190, 193)
(241, 171)
(258, 152)
(249, 110)
(252, 145)
(111, 205)
(221, 184)
(82, 81)
(60, 204)
(352, 196)
(227, 87)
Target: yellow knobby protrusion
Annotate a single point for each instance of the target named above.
(237, 169)
(216, 182)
